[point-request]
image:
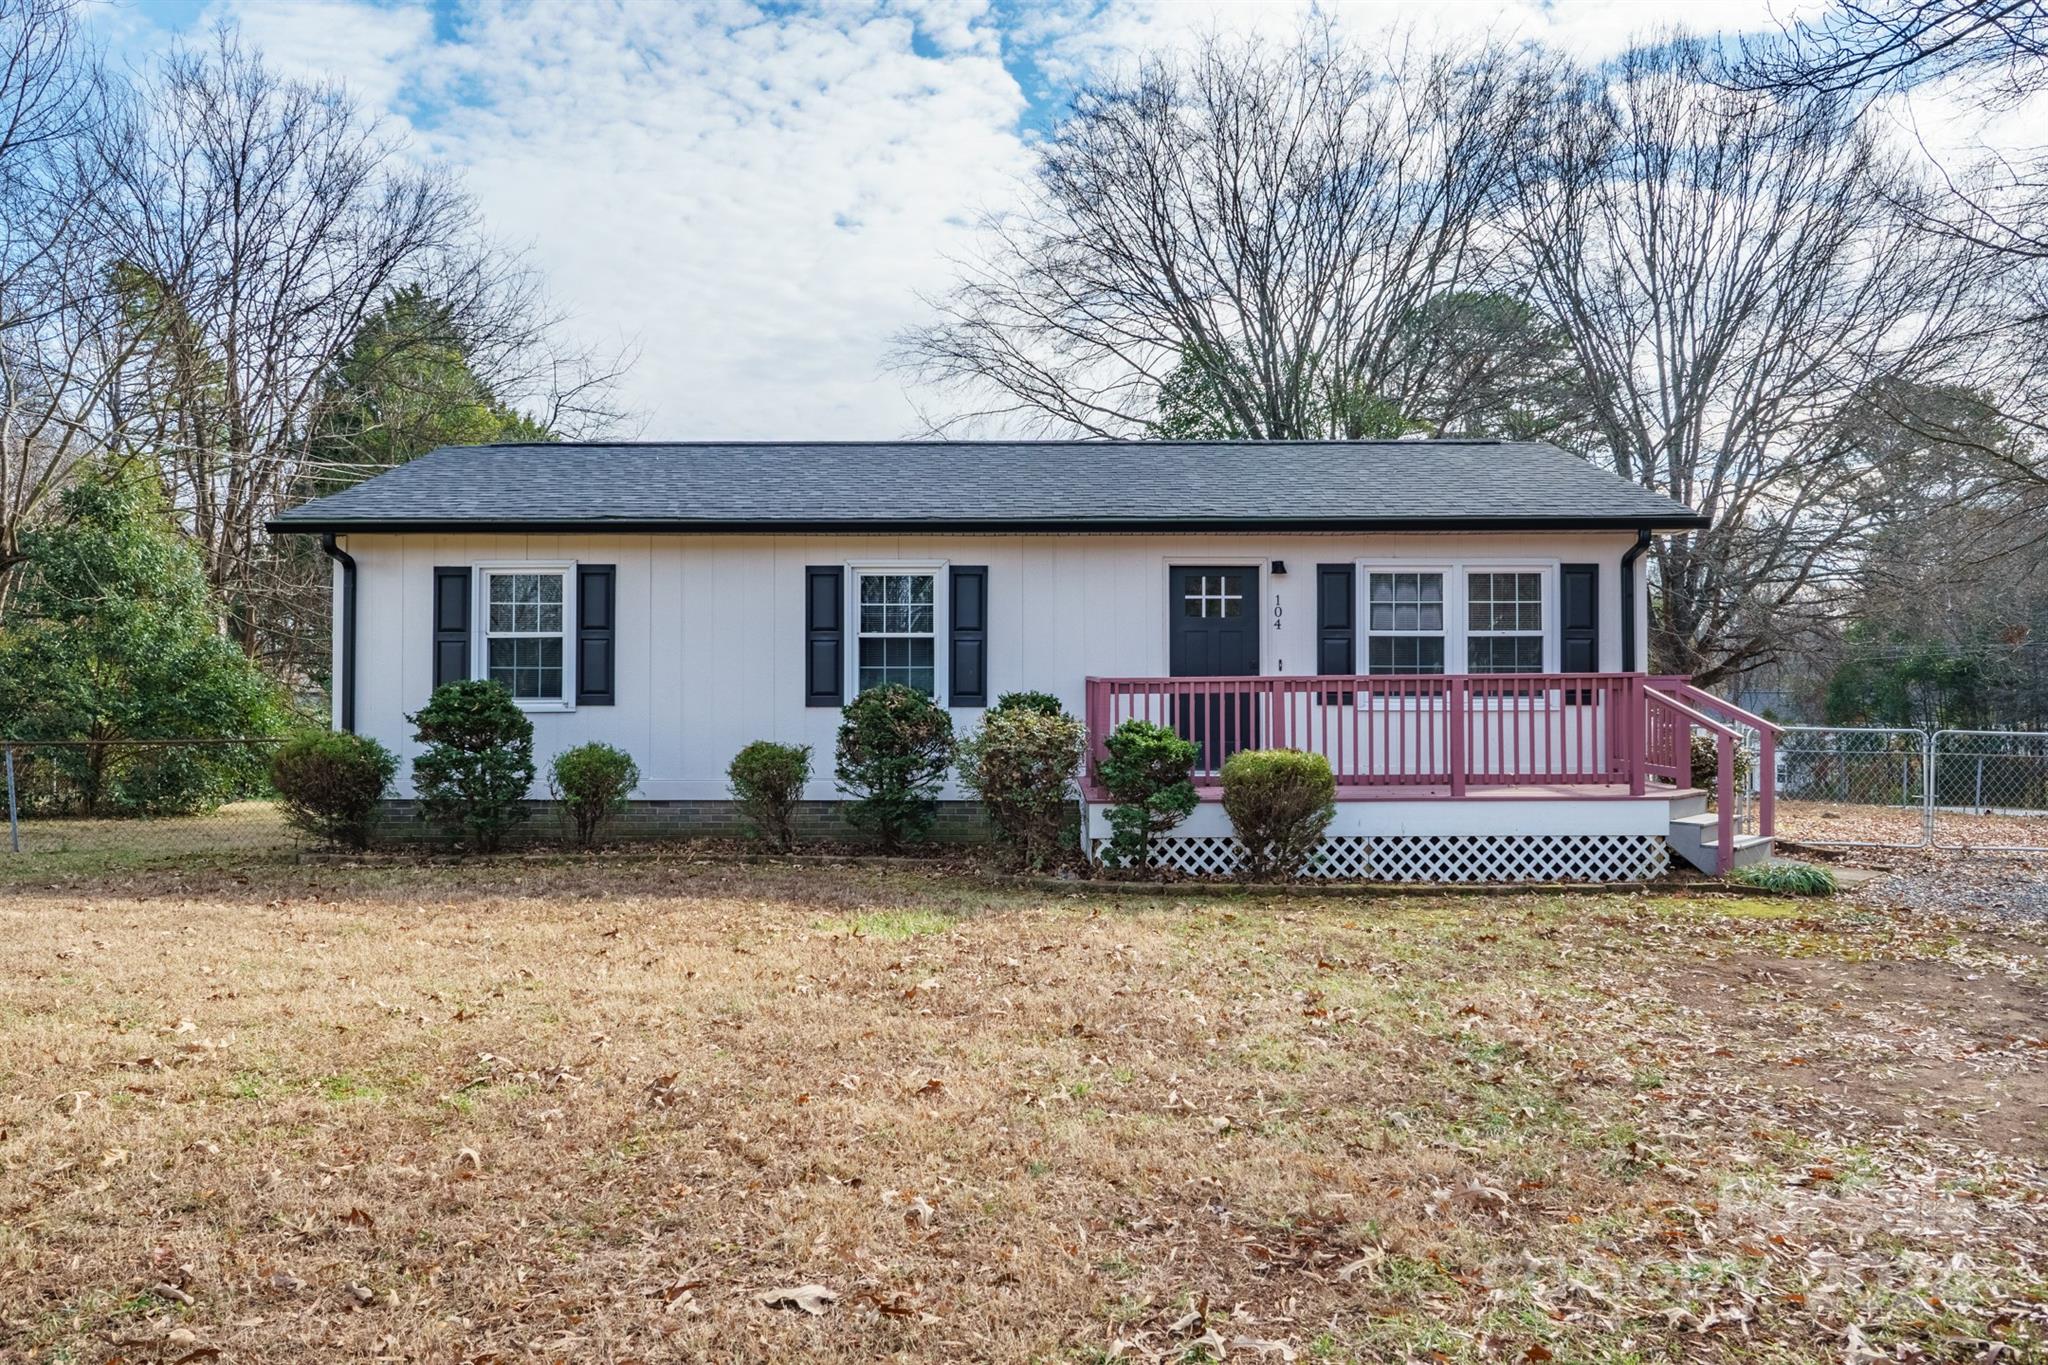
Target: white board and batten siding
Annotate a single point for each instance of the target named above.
(710, 637)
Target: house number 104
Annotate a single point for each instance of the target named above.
(1276, 611)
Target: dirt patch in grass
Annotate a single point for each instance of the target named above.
(1922, 1044)
(557, 1112)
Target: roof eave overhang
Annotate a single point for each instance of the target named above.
(869, 526)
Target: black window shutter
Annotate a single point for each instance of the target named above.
(451, 625)
(1336, 619)
(969, 657)
(824, 635)
(597, 602)
(1579, 618)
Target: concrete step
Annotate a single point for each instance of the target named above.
(1697, 839)
(1688, 801)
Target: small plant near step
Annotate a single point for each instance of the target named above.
(591, 782)
(1149, 771)
(478, 762)
(1279, 801)
(768, 779)
(895, 747)
(1021, 763)
(1787, 878)
(329, 784)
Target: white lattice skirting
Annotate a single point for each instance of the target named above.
(1439, 857)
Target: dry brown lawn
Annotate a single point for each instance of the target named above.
(595, 1113)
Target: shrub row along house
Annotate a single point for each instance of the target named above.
(1458, 626)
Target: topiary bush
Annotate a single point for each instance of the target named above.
(768, 779)
(591, 783)
(1279, 801)
(329, 784)
(895, 747)
(478, 764)
(1149, 773)
(1021, 763)
(1044, 703)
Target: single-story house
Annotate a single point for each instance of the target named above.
(1457, 624)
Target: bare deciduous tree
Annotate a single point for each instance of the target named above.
(1735, 278)
(259, 222)
(1274, 217)
(1854, 47)
(55, 349)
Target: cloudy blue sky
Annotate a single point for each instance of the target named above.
(752, 195)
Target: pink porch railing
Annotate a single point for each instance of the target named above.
(1449, 733)
(1445, 736)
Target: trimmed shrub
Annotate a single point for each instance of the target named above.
(478, 764)
(767, 779)
(329, 784)
(1022, 764)
(1280, 801)
(591, 783)
(1787, 878)
(895, 746)
(1044, 703)
(1149, 772)
(1706, 763)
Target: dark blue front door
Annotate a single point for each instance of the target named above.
(1215, 634)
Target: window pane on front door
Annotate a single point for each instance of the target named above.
(1206, 595)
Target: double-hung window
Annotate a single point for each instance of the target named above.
(898, 640)
(526, 632)
(1404, 621)
(1504, 622)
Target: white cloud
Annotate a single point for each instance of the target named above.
(757, 196)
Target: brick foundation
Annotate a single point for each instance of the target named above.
(399, 822)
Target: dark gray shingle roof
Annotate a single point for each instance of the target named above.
(993, 485)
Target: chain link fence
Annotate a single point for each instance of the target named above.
(1869, 787)
(1853, 787)
(1990, 790)
(141, 799)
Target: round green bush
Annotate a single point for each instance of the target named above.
(591, 782)
(476, 768)
(1279, 801)
(768, 779)
(1044, 703)
(329, 784)
(895, 747)
(1021, 763)
(1149, 772)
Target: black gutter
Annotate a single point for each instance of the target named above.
(1068, 525)
(347, 670)
(1628, 598)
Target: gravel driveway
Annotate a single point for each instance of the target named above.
(2012, 888)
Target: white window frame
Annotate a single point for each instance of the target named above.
(480, 594)
(1547, 576)
(1457, 607)
(942, 680)
(1453, 604)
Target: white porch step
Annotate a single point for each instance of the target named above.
(1696, 837)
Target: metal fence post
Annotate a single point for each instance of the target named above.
(13, 808)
